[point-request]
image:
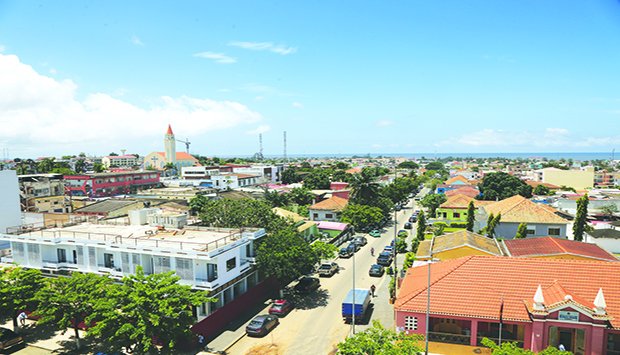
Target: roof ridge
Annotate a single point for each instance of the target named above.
(558, 245)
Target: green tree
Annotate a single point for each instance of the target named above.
(421, 226)
(439, 228)
(17, 291)
(580, 224)
(98, 168)
(471, 216)
(409, 259)
(408, 165)
(301, 196)
(435, 165)
(80, 166)
(275, 198)
(290, 176)
(285, 255)
(197, 203)
(226, 213)
(378, 340)
(500, 185)
(542, 190)
(65, 301)
(401, 245)
(324, 250)
(432, 202)
(609, 209)
(45, 165)
(362, 217)
(365, 189)
(521, 231)
(493, 224)
(143, 308)
(318, 179)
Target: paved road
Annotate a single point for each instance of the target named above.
(316, 326)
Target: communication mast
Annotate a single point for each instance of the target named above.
(285, 157)
(259, 156)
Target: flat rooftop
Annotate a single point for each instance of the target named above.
(190, 238)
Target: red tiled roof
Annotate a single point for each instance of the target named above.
(457, 178)
(463, 190)
(475, 286)
(333, 203)
(555, 246)
(180, 156)
(462, 201)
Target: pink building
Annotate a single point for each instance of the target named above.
(110, 184)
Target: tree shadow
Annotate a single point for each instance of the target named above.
(34, 332)
(314, 299)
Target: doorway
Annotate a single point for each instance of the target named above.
(573, 340)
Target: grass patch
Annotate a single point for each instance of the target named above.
(451, 229)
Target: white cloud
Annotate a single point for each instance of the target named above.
(298, 105)
(2, 48)
(220, 58)
(259, 130)
(264, 46)
(37, 111)
(53, 71)
(137, 41)
(384, 123)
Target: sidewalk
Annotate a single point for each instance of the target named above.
(45, 338)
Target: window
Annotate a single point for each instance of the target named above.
(456, 215)
(231, 264)
(315, 216)
(108, 260)
(530, 231)
(554, 231)
(211, 272)
(185, 268)
(329, 215)
(62, 255)
(411, 323)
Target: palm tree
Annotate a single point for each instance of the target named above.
(364, 188)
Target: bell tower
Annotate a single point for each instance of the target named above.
(170, 148)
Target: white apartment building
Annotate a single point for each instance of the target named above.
(216, 260)
(233, 181)
(198, 172)
(10, 214)
(126, 160)
(267, 173)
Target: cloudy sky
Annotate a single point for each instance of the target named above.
(339, 77)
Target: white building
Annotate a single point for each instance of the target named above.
(217, 260)
(233, 181)
(198, 172)
(127, 160)
(10, 213)
(267, 173)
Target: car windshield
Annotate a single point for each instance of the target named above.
(277, 307)
(256, 323)
(325, 266)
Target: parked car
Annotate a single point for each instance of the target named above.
(354, 246)
(375, 233)
(413, 218)
(328, 269)
(280, 308)
(307, 284)
(398, 207)
(403, 233)
(389, 248)
(376, 270)
(385, 258)
(261, 325)
(9, 339)
(361, 241)
(345, 252)
(408, 225)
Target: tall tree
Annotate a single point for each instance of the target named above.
(471, 216)
(324, 250)
(227, 213)
(17, 291)
(500, 185)
(521, 231)
(98, 167)
(494, 223)
(542, 190)
(197, 203)
(421, 226)
(290, 176)
(318, 179)
(432, 202)
(65, 301)
(275, 198)
(285, 255)
(609, 209)
(364, 188)
(379, 340)
(144, 308)
(301, 196)
(362, 217)
(579, 226)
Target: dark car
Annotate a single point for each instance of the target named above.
(261, 325)
(328, 269)
(280, 308)
(413, 218)
(361, 241)
(376, 270)
(9, 339)
(408, 225)
(345, 252)
(307, 284)
(385, 258)
(353, 246)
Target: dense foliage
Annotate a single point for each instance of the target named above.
(580, 224)
(362, 217)
(18, 288)
(378, 340)
(471, 216)
(432, 202)
(500, 185)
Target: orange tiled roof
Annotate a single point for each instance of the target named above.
(462, 201)
(474, 286)
(555, 246)
(518, 209)
(333, 203)
(464, 190)
(460, 239)
(457, 178)
(536, 183)
(180, 156)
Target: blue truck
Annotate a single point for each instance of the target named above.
(357, 307)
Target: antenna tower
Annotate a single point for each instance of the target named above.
(285, 157)
(259, 156)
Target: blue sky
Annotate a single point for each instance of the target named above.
(339, 77)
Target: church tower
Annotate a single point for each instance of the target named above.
(170, 147)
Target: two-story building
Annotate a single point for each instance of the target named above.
(43, 193)
(328, 210)
(125, 160)
(110, 184)
(217, 260)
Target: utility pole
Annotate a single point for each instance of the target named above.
(285, 157)
(428, 298)
(353, 305)
(395, 236)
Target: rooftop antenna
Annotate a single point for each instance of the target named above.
(285, 157)
(259, 156)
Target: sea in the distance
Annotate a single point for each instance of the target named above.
(580, 156)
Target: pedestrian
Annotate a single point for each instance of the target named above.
(22, 318)
(561, 347)
(201, 341)
(372, 251)
(372, 290)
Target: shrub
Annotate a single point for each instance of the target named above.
(458, 225)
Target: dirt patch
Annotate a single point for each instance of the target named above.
(265, 349)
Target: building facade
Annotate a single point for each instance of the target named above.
(127, 160)
(10, 214)
(110, 184)
(43, 193)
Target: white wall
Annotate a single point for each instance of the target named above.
(10, 213)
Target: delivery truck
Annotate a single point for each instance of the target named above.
(356, 302)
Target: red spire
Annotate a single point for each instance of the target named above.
(169, 130)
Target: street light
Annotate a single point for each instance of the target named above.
(353, 304)
(428, 295)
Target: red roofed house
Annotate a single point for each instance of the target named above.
(556, 248)
(158, 160)
(328, 210)
(537, 302)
